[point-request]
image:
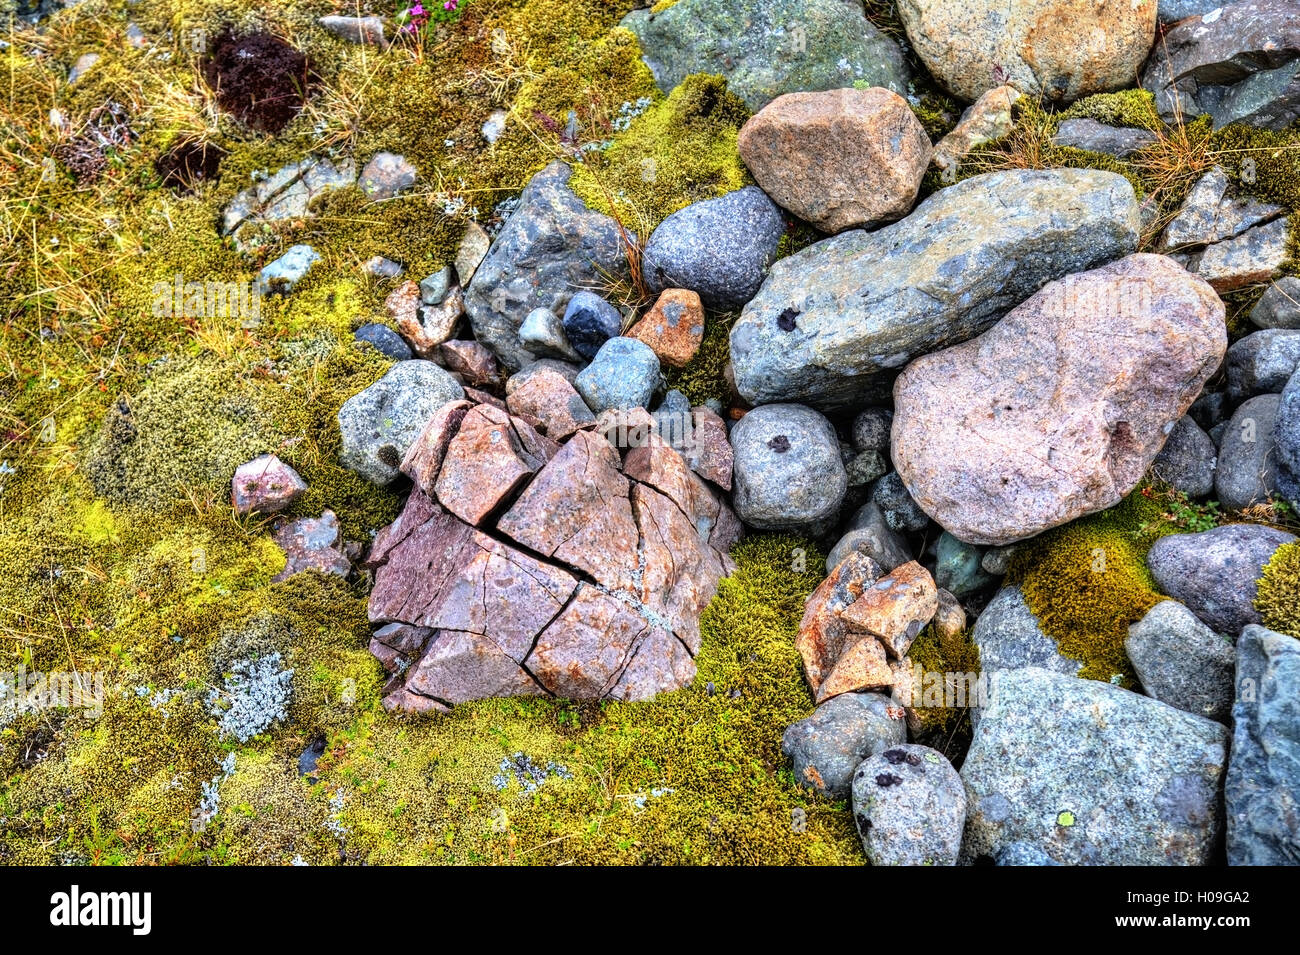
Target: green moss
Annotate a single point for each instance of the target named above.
(942, 727)
(1134, 108)
(704, 376)
(1278, 599)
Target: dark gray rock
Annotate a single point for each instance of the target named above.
(720, 248)
(1182, 662)
(434, 288)
(828, 746)
(1098, 138)
(871, 429)
(624, 374)
(910, 807)
(1210, 409)
(1212, 215)
(835, 321)
(384, 340)
(551, 246)
(589, 322)
(1280, 306)
(1262, 362)
(1092, 774)
(1008, 637)
(1262, 789)
(866, 467)
(768, 47)
(1171, 11)
(1187, 460)
(869, 534)
(1215, 572)
(901, 512)
(1246, 473)
(787, 473)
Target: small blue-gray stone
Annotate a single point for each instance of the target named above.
(385, 341)
(624, 374)
(589, 322)
(281, 276)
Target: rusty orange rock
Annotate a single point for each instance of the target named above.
(674, 327)
(488, 459)
(823, 636)
(552, 400)
(896, 607)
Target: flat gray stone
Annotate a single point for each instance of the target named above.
(1182, 662)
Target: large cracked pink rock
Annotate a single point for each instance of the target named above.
(588, 585)
(1060, 408)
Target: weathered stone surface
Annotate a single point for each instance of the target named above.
(1057, 51)
(542, 333)
(624, 374)
(1262, 362)
(709, 451)
(364, 30)
(548, 397)
(1214, 572)
(488, 459)
(381, 267)
(840, 159)
(909, 806)
(380, 424)
(286, 194)
(895, 608)
(384, 340)
(1252, 258)
(832, 322)
(423, 460)
(1008, 637)
(1187, 461)
(958, 566)
(768, 47)
(311, 543)
(1211, 215)
(1286, 436)
(987, 119)
(787, 471)
(589, 322)
(1099, 138)
(1246, 473)
(823, 633)
(386, 175)
(458, 667)
(1280, 305)
(552, 246)
(1092, 774)
(950, 618)
(828, 746)
(473, 249)
(870, 534)
(674, 327)
(282, 276)
(871, 429)
(1033, 425)
(1182, 662)
(1239, 62)
(265, 485)
(1262, 788)
(1171, 11)
(475, 364)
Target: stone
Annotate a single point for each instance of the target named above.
(787, 472)
(549, 398)
(84, 64)
(1171, 11)
(1057, 52)
(958, 566)
(986, 120)
(1215, 572)
(379, 424)
(1188, 459)
(1248, 455)
(839, 159)
(1286, 438)
(1210, 409)
(866, 467)
(673, 328)
(896, 608)
(311, 543)
(551, 245)
(1032, 425)
(836, 658)
(1262, 362)
(834, 322)
(382, 268)
(424, 327)
(422, 462)
(1182, 662)
(285, 195)
(1008, 637)
(624, 374)
(1023, 854)
(1280, 305)
(950, 617)
(386, 175)
(1092, 774)
(566, 370)
(1209, 215)
(434, 288)
(265, 485)
(827, 746)
(542, 333)
(589, 322)
(1253, 258)
(869, 533)
(764, 48)
(909, 806)
(1096, 137)
(473, 249)
(900, 510)
(384, 340)
(490, 457)
(1239, 62)
(720, 248)
(871, 429)
(283, 275)
(1262, 788)
(363, 30)
(709, 452)
(475, 364)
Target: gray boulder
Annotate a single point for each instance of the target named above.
(1092, 774)
(909, 806)
(869, 533)
(1248, 461)
(624, 374)
(1187, 460)
(828, 746)
(871, 429)
(1280, 305)
(1098, 138)
(1286, 439)
(1262, 362)
(1181, 661)
(787, 473)
(1008, 637)
(833, 322)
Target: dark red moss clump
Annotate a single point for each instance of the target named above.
(258, 78)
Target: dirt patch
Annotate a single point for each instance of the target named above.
(258, 78)
(189, 162)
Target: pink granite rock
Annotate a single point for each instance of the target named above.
(265, 485)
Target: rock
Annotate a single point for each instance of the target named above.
(551, 245)
(836, 657)
(381, 267)
(384, 340)
(950, 619)
(1210, 409)
(1252, 258)
(136, 37)
(1023, 854)
(673, 328)
(901, 511)
(423, 460)
(624, 374)
(719, 248)
(85, 63)
(1171, 11)
(1209, 215)
(1096, 137)
(834, 321)
(472, 361)
(265, 485)
(1214, 572)
(870, 534)
(589, 322)
(839, 159)
(542, 333)
(986, 120)
(566, 370)
(957, 566)
(386, 175)
(1286, 437)
(767, 47)
(708, 452)
(1182, 662)
(363, 30)
(549, 398)
(1032, 425)
(285, 195)
(380, 424)
(1262, 789)
(866, 467)
(1187, 461)
(909, 806)
(1058, 52)
(895, 608)
(434, 288)
(1239, 63)
(1280, 306)
(828, 746)
(1092, 774)
(490, 457)
(997, 560)
(283, 275)
(1248, 455)
(1262, 362)
(871, 429)
(311, 543)
(424, 327)
(787, 472)
(474, 247)
(1008, 637)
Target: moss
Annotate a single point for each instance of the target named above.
(1134, 108)
(1087, 582)
(946, 728)
(704, 376)
(1278, 598)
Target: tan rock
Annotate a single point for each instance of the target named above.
(950, 617)
(586, 648)
(988, 119)
(709, 452)
(895, 608)
(424, 458)
(674, 327)
(823, 635)
(424, 327)
(488, 459)
(552, 400)
(475, 364)
(862, 666)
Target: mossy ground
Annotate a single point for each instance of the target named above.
(1278, 599)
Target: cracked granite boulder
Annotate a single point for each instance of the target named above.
(577, 570)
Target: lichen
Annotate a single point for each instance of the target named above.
(1278, 597)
